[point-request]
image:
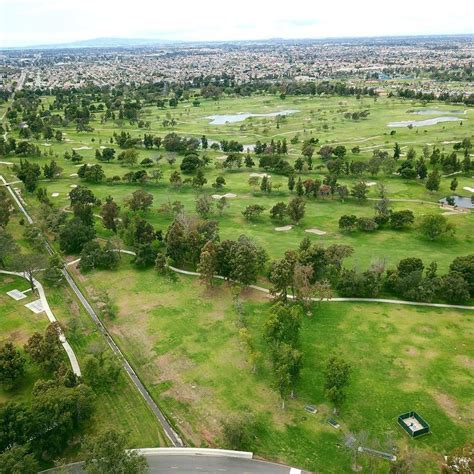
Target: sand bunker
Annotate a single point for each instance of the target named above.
(316, 231)
(467, 188)
(284, 228)
(73, 186)
(73, 175)
(54, 195)
(372, 183)
(220, 196)
(82, 148)
(259, 175)
(46, 144)
(222, 158)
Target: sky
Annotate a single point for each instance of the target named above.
(35, 22)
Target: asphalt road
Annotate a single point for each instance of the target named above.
(195, 464)
(209, 464)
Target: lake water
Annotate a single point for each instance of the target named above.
(223, 119)
(464, 202)
(423, 123)
(437, 112)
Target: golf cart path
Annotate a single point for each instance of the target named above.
(44, 302)
(329, 300)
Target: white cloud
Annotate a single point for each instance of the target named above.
(44, 21)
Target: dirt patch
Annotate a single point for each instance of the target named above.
(465, 361)
(285, 228)
(412, 351)
(7, 280)
(448, 405)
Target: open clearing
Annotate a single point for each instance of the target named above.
(184, 343)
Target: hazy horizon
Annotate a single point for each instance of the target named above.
(44, 22)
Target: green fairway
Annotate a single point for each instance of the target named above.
(183, 341)
(323, 214)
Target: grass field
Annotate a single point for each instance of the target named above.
(184, 343)
(323, 214)
(120, 407)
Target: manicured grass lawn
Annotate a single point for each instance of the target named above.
(183, 341)
(313, 113)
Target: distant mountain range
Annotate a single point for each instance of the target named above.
(100, 43)
(110, 42)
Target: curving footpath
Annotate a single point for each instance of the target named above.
(44, 302)
(327, 300)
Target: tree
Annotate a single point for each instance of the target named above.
(46, 350)
(190, 163)
(106, 453)
(5, 205)
(396, 151)
(92, 174)
(287, 366)
(12, 365)
(239, 431)
(282, 275)
(283, 325)
(128, 157)
(28, 173)
(360, 191)
(53, 275)
(100, 371)
(8, 248)
(52, 170)
(464, 266)
(296, 209)
(199, 180)
(110, 212)
(221, 204)
(252, 211)
(436, 225)
(204, 205)
(454, 184)
(454, 288)
(337, 376)
(279, 211)
(17, 460)
(208, 263)
(348, 223)
(246, 260)
(139, 200)
(74, 235)
(401, 219)
(81, 195)
(433, 181)
(219, 183)
(30, 264)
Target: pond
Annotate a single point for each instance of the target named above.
(223, 119)
(437, 112)
(423, 123)
(459, 201)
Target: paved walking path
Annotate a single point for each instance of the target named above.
(44, 302)
(335, 300)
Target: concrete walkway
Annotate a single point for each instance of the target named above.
(44, 302)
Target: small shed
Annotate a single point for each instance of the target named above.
(413, 424)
